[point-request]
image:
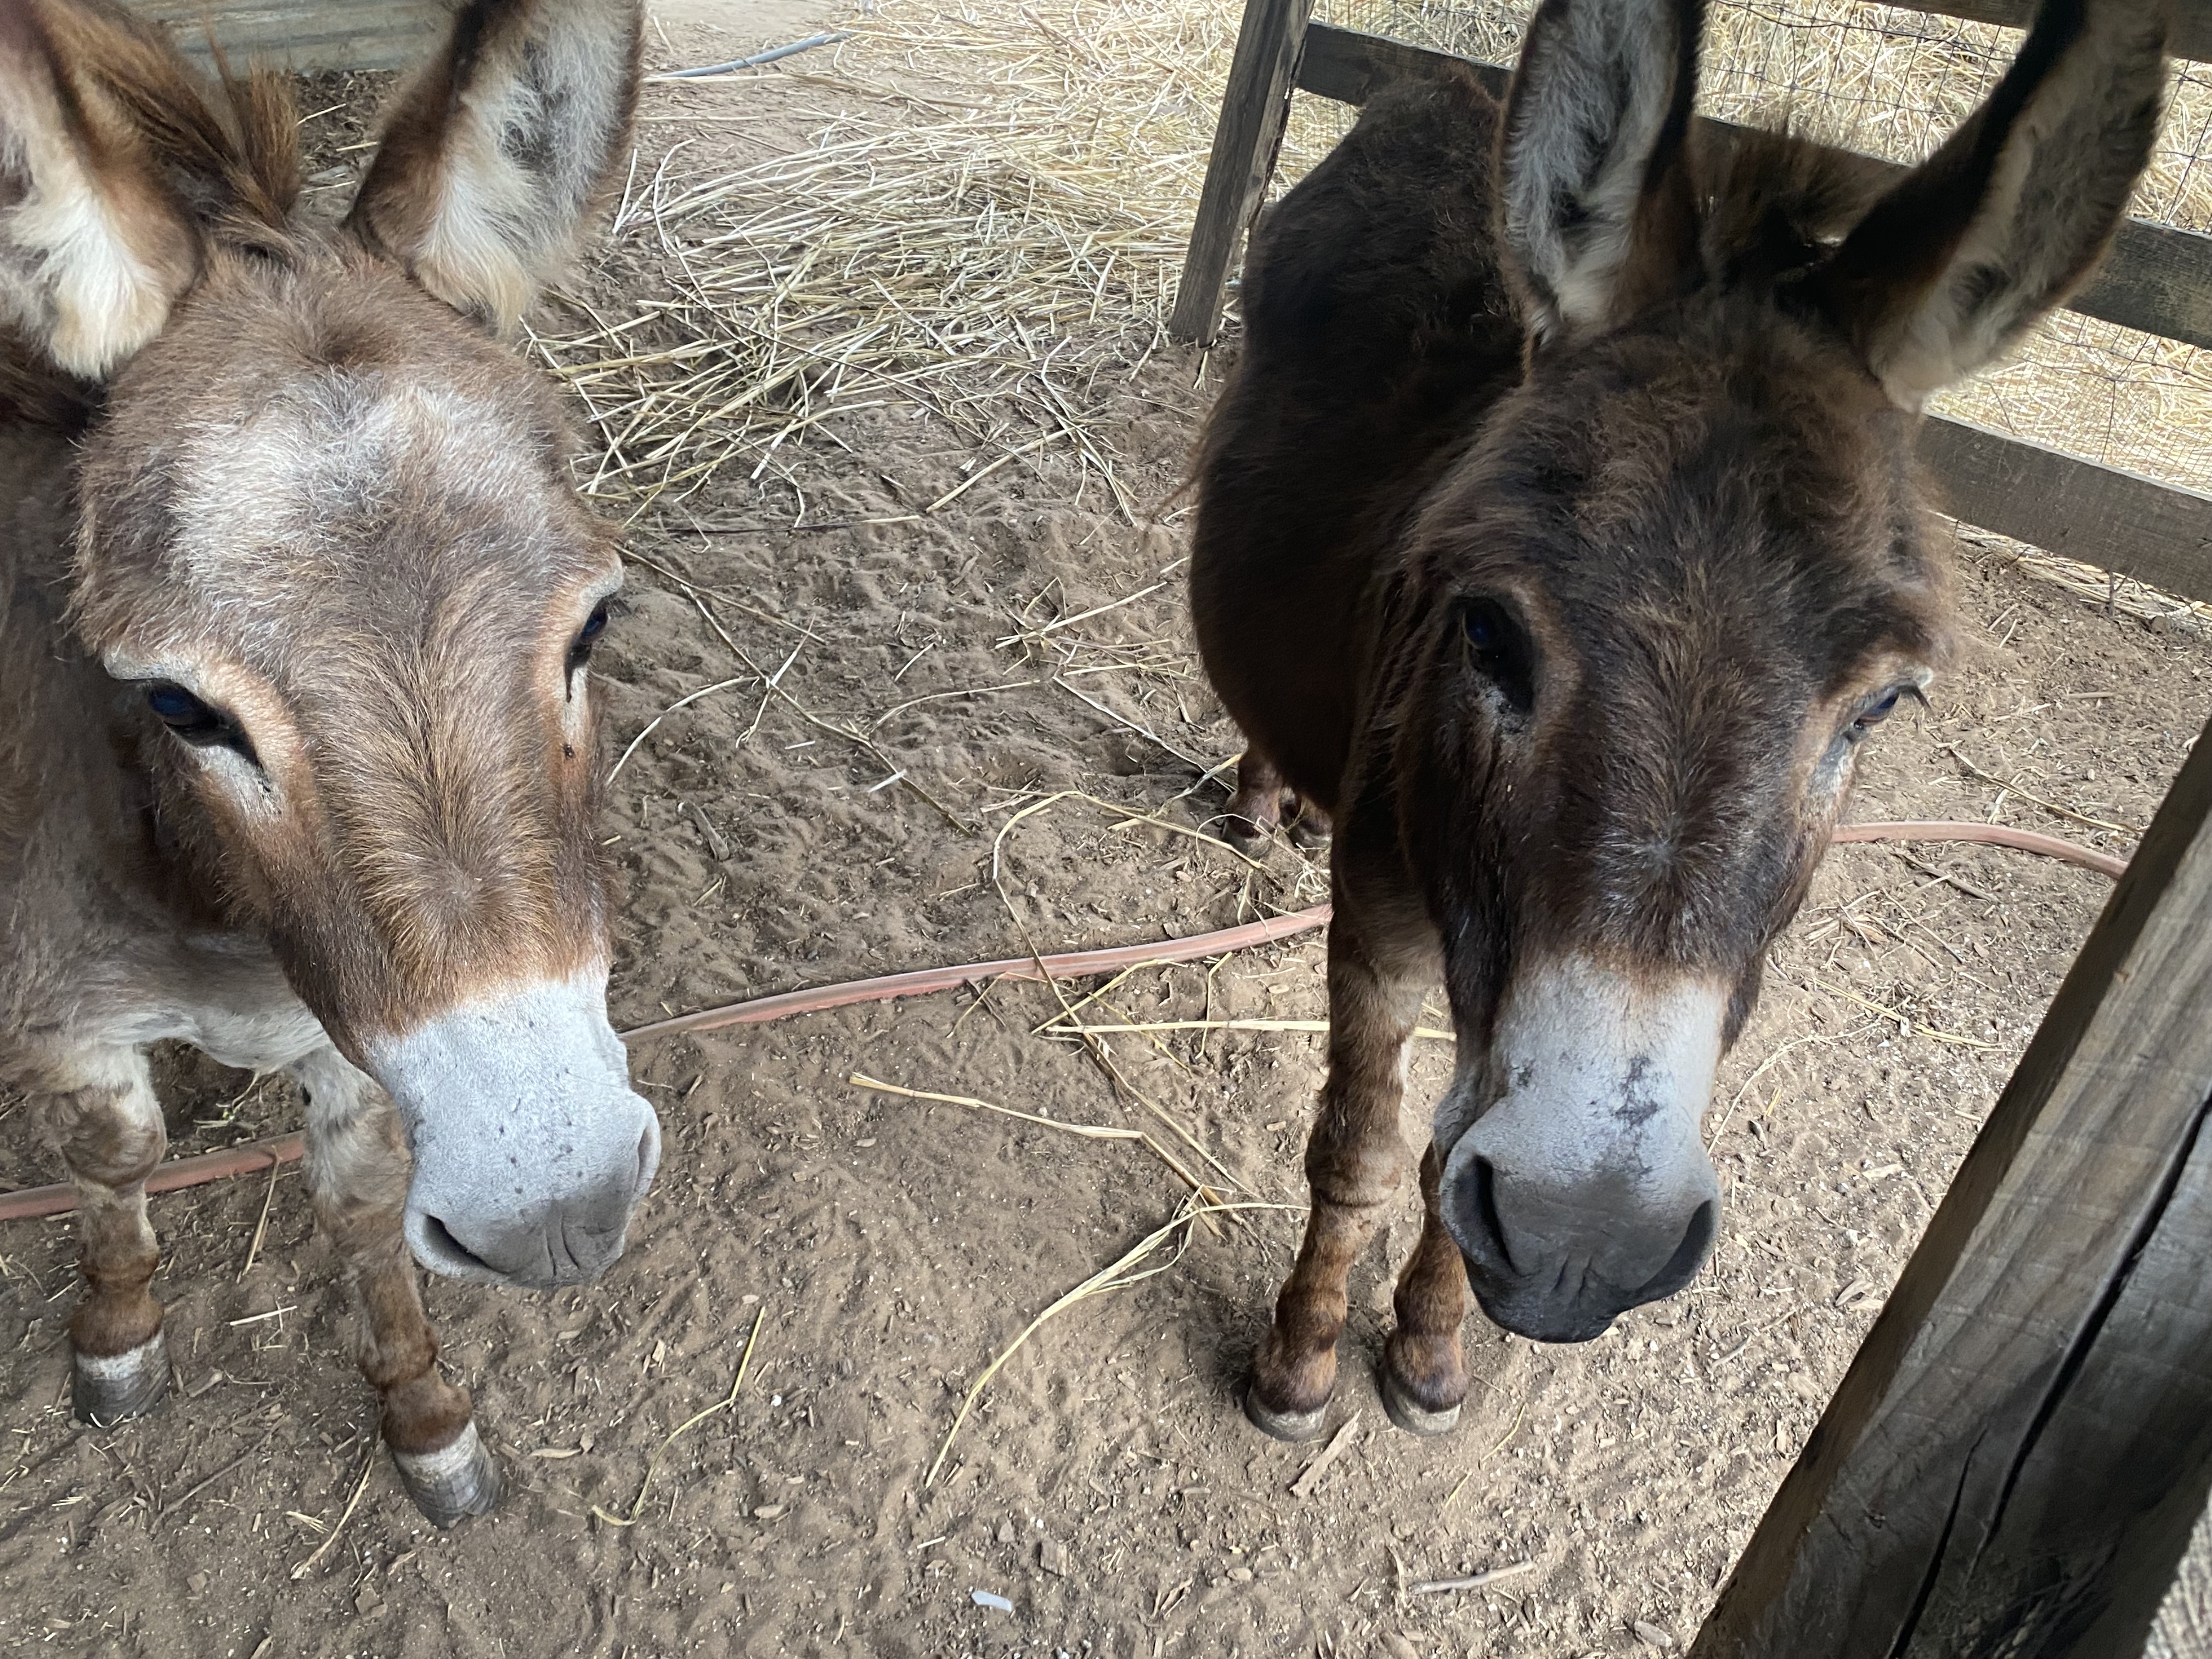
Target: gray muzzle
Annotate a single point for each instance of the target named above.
(531, 1148)
(1584, 1189)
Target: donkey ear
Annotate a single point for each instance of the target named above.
(1599, 217)
(94, 249)
(1956, 262)
(494, 156)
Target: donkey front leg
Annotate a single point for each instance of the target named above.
(1423, 1371)
(1263, 803)
(108, 1130)
(1355, 1159)
(357, 1171)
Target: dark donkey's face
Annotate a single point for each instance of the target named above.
(1656, 617)
(1646, 627)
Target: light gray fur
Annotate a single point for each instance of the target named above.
(529, 147)
(1594, 1136)
(1597, 77)
(2061, 181)
(531, 1148)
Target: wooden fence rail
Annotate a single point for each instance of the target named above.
(2157, 279)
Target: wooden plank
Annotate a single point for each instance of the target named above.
(2116, 520)
(2016, 1458)
(2156, 279)
(2189, 33)
(1246, 141)
(307, 35)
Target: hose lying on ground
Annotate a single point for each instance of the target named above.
(251, 1156)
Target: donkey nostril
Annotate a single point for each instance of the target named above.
(1486, 1210)
(1682, 1266)
(439, 1236)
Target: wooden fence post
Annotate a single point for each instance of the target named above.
(2016, 1457)
(1246, 142)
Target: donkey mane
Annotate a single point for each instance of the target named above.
(1774, 201)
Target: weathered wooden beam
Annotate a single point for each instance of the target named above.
(2156, 279)
(2116, 520)
(307, 35)
(2015, 1462)
(2189, 33)
(1246, 142)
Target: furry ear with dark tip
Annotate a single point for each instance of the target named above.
(94, 248)
(1962, 256)
(1600, 213)
(494, 157)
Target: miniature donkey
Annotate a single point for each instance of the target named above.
(295, 598)
(1559, 540)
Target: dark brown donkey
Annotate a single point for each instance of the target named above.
(295, 598)
(1558, 538)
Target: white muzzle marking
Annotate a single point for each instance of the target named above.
(1580, 1188)
(531, 1148)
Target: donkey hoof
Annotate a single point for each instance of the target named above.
(1241, 833)
(105, 1391)
(1310, 831)
(1284, 1425)
(456, 1480)
(1409, 1414)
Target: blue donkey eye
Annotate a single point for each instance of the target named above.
(193, 720)
(176, 706)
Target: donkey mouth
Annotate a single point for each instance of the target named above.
(1579, 1267)
(531, 1152)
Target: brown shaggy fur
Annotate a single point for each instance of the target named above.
(1573, 626)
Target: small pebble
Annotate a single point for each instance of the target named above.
(1652, 1636)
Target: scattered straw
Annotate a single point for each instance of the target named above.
(1905, 1021)
(367, 1468)
(1117, 1274)
(1303, 1487)
(1473, 1581)
(653, 1465)
(1052, 1027)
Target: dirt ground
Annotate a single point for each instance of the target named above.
(888, 1250)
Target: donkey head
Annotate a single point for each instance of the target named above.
(1645, 628)
(329, 545)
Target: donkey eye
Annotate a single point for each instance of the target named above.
(1501, 652)
(1879, 710)
(194, 720)
(580, 650)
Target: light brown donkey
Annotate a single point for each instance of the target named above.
(1558, 538)
(295, 602)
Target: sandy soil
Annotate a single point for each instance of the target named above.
(888, 1250)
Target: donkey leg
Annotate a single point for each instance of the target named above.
(1310, 827)
(1424, 1372)
(1255, 810)
(1355, 1159)
(108, 1129)
(358, 1170)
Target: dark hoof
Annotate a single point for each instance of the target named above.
(458, 1480)
(1409, 1414)
(107, 1391)
(1247, 837)
(1285, 1425)
(1310, 832)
